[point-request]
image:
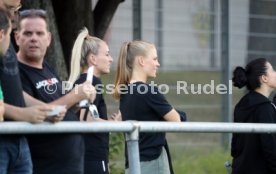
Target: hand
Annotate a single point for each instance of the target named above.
(59, 117)
(35, 114)
(116, 116)
(85, 91)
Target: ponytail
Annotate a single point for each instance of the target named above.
(239, 77)
(76, 56)
(124, 72)
(83, 47)
(250, 76)
(129, 51)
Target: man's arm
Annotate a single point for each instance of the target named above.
(34, 114)
(69, 100)
(80, 92)
(31, 101)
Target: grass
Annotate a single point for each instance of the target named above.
(199, 160)
(192, 153)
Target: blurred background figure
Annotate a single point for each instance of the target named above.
(254, 153)
(5, 30)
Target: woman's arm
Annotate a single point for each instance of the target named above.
(172, 116)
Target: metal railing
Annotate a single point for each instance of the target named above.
(132, 129)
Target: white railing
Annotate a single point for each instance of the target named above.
(132, 129)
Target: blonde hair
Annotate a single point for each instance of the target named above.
(128, 52)
(83, 46)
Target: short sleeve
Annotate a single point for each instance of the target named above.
(158, 103)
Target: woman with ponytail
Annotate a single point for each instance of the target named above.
(254, 153)
(92, 51)
(143, 102)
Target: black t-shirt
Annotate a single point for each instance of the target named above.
(11, 83)
(10, 79)
(143, 102)
(96, 144)
(51, 153)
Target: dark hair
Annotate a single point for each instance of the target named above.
(5, 20)
(250, 76)
(33, 13)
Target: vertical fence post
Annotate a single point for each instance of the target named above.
(137, 19)
(226, 70)
(212, 34)
(133, 150)
(159, 30)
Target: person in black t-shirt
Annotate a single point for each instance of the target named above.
(55, 153)
(92, 51)
(14, 149)
(143, 102)
(5, 30)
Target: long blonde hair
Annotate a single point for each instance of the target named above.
(128, 52)
(83, 46)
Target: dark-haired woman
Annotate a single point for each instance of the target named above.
(254, 153)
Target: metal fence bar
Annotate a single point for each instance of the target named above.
(64, 127)
(207, 127)
(129, 126)
(132, 130)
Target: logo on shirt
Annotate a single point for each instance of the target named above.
(49, 85)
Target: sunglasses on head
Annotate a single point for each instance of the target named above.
(33, 13)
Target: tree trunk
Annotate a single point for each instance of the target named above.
(262, 45)
(103, 13)
(72, 16)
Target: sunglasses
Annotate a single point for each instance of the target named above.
(33, 13)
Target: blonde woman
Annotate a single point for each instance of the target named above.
(140, 101)
(92, 51)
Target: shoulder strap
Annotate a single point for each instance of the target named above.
(85, 114)
(273, 105)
